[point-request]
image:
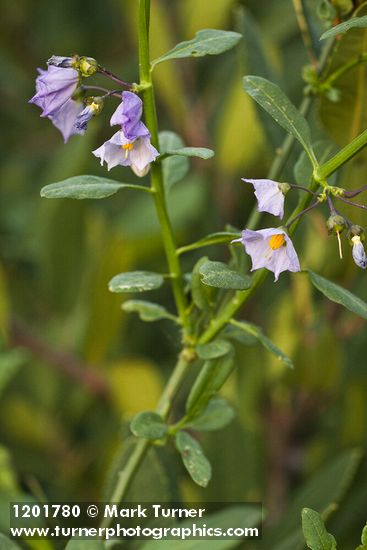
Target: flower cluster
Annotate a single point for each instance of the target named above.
(130, 146)
(273, 249)
(61, 96)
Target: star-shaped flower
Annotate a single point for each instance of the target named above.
(270, 248)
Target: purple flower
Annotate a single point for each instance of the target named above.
(358, 252)
(93, 108)
(65, 118)
(270, 195)
(128, 116)
(119, 150)
(54, 88)
(270, 248)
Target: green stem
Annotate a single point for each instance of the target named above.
(343, 69)
(343, 156)
(156, 168)
(164, 407)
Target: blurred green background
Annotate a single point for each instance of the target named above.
(74, 367)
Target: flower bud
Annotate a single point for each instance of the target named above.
(87, 66)
(344, 6)
(59, 61)
(335, 224)
(325, 10)
(356, 231)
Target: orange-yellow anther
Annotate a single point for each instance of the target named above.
(276, 241)
(127, 147)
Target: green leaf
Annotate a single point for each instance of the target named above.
(148, 311)
(148, 425)
(174, 167)
(10, 363)
(201, 294)
(219, 275)
(208, 382)
(340, 295)
(135, 281)
(271, 98)
(86, 187)
(214, 238)
(325, 489)
(215, 349)
(363, 546)
(7, 544)
(194, 459)
(317, 538)
(242, 516)
(355, 22)
(255, 331)
(216, 415)
(206, 42)
(200, 152)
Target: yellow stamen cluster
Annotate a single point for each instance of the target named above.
(276, 241)
(127, 147)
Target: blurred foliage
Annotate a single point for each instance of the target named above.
(74, 367)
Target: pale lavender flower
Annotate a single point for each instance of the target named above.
(270, 195)
(65, 118)
(119, 150)
(54, 88)
(128, 116)
(358, 252)
(270, 248)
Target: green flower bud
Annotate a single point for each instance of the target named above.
(344, 6)
(356, 231)
(326, 11)
(87, 66)
(335, 224)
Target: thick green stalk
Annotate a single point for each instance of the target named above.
(157, 186)
(343, 156)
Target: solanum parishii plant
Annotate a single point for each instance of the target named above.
(209, 299)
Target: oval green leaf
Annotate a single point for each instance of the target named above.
(174, 167)
(205, 42)
(214, 349)
(148, 425)
(148, 311)
(208, 382)
(219, 275)
(317, 538)
(342, 28)
(217, 414)
(135, 281)
(86, 187)
(194, 459)
(200, 152)
(340, 295)
(273, 100)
